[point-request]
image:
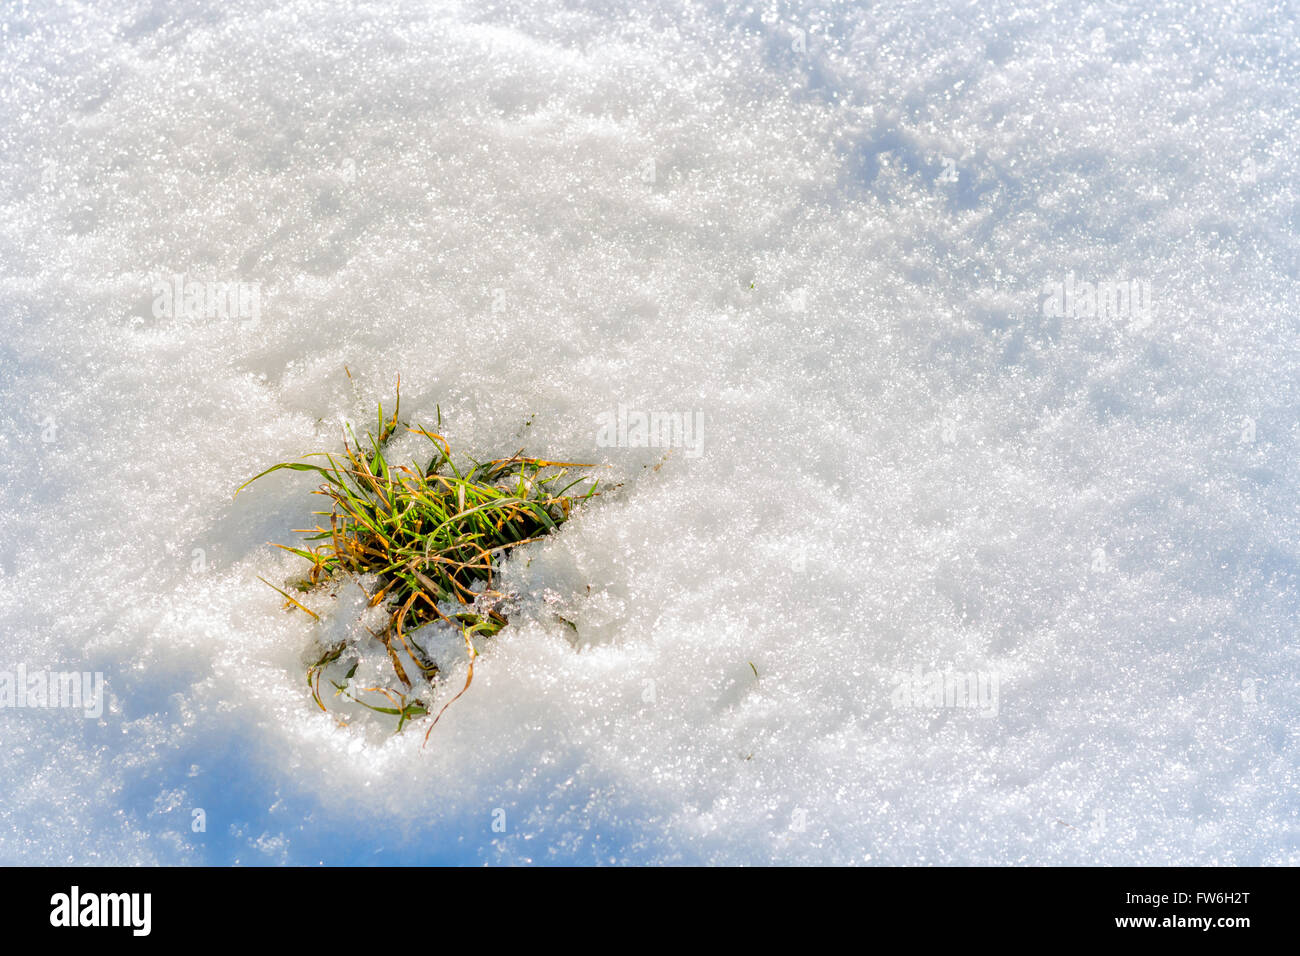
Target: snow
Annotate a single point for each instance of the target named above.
(835, 250)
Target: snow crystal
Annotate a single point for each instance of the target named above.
(924, 560)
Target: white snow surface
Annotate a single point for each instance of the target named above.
(833, 245)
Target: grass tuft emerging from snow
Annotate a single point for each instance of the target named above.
(430, 536)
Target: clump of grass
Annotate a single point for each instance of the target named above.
(431, 535)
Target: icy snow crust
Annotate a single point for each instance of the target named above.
(834, 249)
